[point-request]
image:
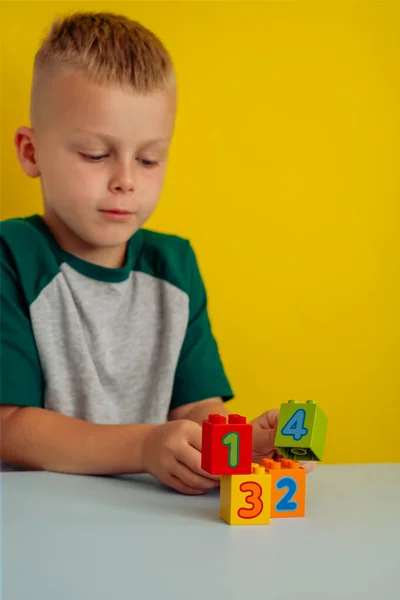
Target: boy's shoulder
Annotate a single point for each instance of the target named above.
(167, 256)
(164, 243)
(25, 255)
(24, 237)
(23, 232)
(16, 227)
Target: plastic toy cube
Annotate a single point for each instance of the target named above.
(301, 431)
(227, 445)
(246, 499)
(288, 487)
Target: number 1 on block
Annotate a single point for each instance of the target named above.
(227, 445)
(232, 440)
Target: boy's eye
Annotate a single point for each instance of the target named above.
(92, 157)
(148, 163)
(98, 157)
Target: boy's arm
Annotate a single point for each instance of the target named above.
(198, 411)
(40, 439)
(200, 385)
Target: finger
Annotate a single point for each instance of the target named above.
(193, 480)
(268, 420)
(273, 417)
(194, 462)
(180, 486)
(195, 438)
(309, 466)
(191, 457)
(264, 442)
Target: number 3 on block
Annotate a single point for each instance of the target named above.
(246, 499)
(253, 499)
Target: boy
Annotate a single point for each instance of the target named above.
(109, 364)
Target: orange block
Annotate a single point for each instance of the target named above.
(288, 487)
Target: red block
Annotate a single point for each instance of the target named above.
(227, 446)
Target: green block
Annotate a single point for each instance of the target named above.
(301, 431)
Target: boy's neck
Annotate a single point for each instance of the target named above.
(110, 257)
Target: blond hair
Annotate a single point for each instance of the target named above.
(108, 48)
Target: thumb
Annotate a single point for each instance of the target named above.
(264, 440)
(268, 420)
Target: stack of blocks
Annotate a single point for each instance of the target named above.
(250, 493)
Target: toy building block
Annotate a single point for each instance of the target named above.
(288, 487)
(301, 431)
(246, 499)
(227, 446)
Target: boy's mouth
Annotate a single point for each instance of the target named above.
(116, 214)
(116, 211)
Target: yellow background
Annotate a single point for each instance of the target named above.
(285, 174)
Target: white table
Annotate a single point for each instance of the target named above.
(69, 537)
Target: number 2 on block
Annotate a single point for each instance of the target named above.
(295, 426)
(286, 504)
(232, 440)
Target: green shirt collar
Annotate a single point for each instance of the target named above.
(134, 247)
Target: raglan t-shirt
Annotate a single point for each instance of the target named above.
(113, 346)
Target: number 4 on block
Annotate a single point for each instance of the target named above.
(227, 446)
(301, 431)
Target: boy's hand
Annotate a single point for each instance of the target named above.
(172, 453)
(264, 431)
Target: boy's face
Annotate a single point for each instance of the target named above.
(101, 154)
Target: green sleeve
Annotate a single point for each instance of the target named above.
(21, 377)
(200, 374)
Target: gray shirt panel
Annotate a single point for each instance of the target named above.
(109, 351)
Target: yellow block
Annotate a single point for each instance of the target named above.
(246, 499)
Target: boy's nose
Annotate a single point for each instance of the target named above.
(124, 186)
(123, 182)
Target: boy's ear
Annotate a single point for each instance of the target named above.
(24, 144)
